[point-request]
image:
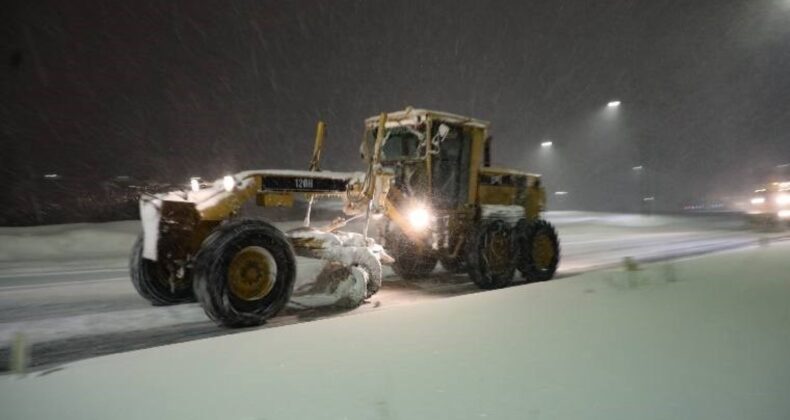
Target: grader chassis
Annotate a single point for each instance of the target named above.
(429, 182)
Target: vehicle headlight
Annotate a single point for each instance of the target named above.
(783, 199)
(228, 182)
(783, 214)
(758, 200)
(419, 218)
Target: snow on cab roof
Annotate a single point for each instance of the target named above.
(415, 115)
(507, 171)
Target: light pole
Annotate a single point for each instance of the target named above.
(546, 160)
(645, 201)
(636, 146)
(560, 197)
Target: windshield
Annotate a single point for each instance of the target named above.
(400, 143)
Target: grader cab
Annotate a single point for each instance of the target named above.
(429, 183)
(443, 201)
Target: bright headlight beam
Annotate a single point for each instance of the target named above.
(783, 199)
(228, 182)
(419, 218)
(758, 200)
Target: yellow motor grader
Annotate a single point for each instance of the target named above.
(429, 187)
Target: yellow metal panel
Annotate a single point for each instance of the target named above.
(475, 162)
(275, 199)
(320, 134)
(228, 205)
(497, 194)
(536, 201)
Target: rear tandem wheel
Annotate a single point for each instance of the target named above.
(538, 249)
(490, 261)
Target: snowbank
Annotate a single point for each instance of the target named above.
(68, 242)
(697, 339)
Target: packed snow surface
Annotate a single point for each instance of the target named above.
(704, 338)
(71, 281)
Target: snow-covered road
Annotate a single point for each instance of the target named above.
(704, 338)
(72, 297)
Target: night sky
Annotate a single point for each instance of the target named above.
(167, 90)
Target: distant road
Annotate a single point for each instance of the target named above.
(73, 312)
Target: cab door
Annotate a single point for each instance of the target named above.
(450, 166)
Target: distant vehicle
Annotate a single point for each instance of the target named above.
(770, 204)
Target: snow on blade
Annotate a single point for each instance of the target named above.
(353, 270)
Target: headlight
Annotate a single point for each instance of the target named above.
(419, 218)
(783, 214)
(228, 182)
(758, 200)
(783, 199)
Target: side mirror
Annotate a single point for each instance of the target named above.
(444, 130)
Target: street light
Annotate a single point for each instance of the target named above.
(561, 198)
(546, 144)
(613, 104)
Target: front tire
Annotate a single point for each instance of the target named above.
(244, 273)
(155, 282)
(411, 261)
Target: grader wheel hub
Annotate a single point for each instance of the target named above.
(543, 251)
(252, 273)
